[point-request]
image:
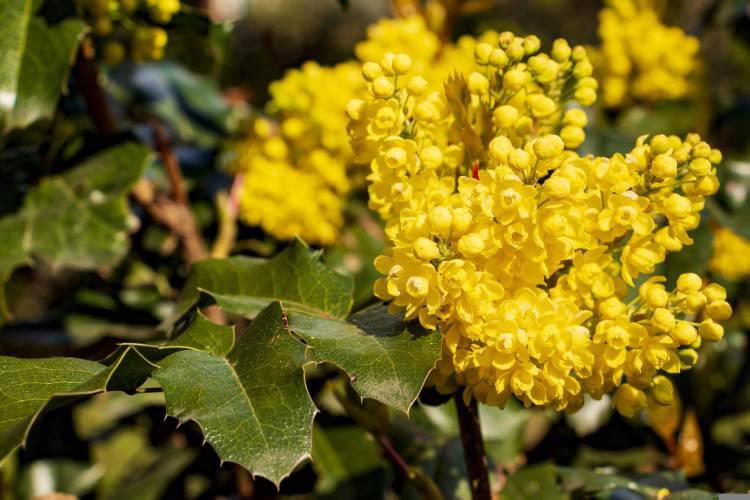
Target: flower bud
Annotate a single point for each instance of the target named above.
(689, 283)
(417, 86)
(426, 249)
(714, 292)
(498, 58)
(684, 333)
(718, 310)
(504, 116)
(573, 136)
(700, 167)
(560, 50)
(688, 357)
(711, 331)
(401, 64)
(629, 400)
(354, 109)
(371, 71)
(548, 146)
(515, 79)
(585, 96)
(696, 301)
(541, 105)
(677, 206)
(471, 244)
(439, 218)
(461, 220)
(557, 186)
(662, 390)
(431, 157)
(500, 147)
(663, 319)
(382, 86)
(482, 53)
(575, 116)
(664, 166)
(659, 144)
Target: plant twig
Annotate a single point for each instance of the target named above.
(473, 445)
(424, 485)
(177, 217)
(87, 77)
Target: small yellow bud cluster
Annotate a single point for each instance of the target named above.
(519, 250)
(731, 255)
(147, 41)
(656, 334)
(640, 58)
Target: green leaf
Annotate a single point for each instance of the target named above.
(296, 277)
(252, 404)
(102, 412)
(133, 469)
(31, 385)
(76, 220)
(537, 481)
(35, 58)
(386, 359)
(340, 454)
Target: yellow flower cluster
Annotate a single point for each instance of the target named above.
(641, 59)
(731, 255)
(295, 167)
(519, 250)
(147, 41)
(306, 119)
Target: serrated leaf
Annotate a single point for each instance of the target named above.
(30, 385)
(76, 220)
(295, 277)
(252, 405)
(386, 359)
(35, 58)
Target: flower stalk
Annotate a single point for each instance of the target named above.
(473, 445)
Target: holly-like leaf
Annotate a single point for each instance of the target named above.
(35, 58)
(296, 277)
(76, 220)
(251, 404)
(32, 385)
(386, 359)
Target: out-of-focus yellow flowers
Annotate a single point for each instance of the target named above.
(731, 255)
(640, 59)
(307, 114)
(518, 249)
(147, 41)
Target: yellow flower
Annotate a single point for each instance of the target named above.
(731, 255)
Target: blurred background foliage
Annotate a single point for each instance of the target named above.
(213, 78)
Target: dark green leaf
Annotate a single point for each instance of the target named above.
(252, 405)
(296, 277)
(386, 359)
(31, 385)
